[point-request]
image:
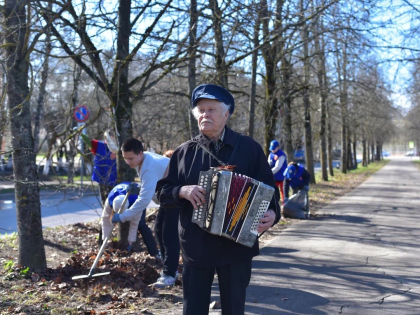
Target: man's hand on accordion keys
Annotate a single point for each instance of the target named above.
(266, 221)
(194, 193)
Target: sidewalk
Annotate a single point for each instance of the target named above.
(11, 184)
(362, 257)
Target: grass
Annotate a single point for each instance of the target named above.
(76, 179)
(417, 163)
(324, 192)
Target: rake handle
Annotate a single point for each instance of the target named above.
(101, 250)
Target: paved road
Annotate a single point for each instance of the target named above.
(57, 208)
(362, 258)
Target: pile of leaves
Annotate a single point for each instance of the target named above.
(127, 287)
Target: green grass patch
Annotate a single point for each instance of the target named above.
(417, 163)
(324, 192)
(361, 170)
(76, 179)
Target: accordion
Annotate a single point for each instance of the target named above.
(234, 205)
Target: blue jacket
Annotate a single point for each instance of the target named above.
(121, 189)
(272, 159)
(104, 168)
(301, 178)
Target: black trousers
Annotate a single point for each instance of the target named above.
(233, 281)
(147, 235)
(166, 232)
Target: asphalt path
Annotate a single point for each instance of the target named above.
(361, 257)
(61, 207)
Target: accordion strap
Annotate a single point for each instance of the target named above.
(227, 166)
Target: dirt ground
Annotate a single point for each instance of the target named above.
(71, 250)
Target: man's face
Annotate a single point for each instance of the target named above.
(133, 160)
(212, 118)
(274, 150)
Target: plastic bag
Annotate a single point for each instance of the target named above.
(297, 206)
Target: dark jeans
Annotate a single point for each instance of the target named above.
(147, 235)
(233, 281)
(166, 231)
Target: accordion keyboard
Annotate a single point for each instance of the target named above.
(199, 215)
(261, 210)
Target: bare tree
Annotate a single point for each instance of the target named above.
(28, 208)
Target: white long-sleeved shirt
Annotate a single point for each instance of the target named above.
(152, 170)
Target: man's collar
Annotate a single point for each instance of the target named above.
(229, 137)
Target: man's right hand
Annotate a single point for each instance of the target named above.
(194, 193)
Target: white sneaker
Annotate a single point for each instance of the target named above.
(165, 281)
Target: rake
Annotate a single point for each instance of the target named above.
(101, 250)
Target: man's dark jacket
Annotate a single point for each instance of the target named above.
(200, 248)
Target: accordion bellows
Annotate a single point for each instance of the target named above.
(234, 205)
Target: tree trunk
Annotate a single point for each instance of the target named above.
(3, 111)
(270, 55)
(322, 99)
(306, 102)
(3, 105)
(354, 153)
(72, 151)
(373, 151)
(221, 71)
(28, 207)
(256, 42)
(122, 103)
(42, 88)
(52, 138)
(365, 153)
(287, 108)
(191, 64)
(349, 151)
(342, 84)
(329, 142)
(120, 93)
(378, 150)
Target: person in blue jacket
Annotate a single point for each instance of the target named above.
(104, 166)
(137, 221)
(296, 177)
(278, 163)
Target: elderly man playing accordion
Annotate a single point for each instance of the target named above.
(204, 253)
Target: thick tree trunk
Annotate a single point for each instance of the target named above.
(28, 207)
(120, 92)
(287, 109)
(122, 103)
(372, 151)
(221, 70)
(270, 54)
(191, 65)
(378, 150)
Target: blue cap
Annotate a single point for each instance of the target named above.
(212, 92)
(290, 171)
(274, 144)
